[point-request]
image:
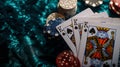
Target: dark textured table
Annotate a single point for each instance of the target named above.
(22, 42)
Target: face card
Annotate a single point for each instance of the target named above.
(77, 26)
(100, 43)
(66, 32)
(69, 31)
(67, 28)
(78, 32)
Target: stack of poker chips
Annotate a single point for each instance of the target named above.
(93, 3)
(67, 8)
(52, 21)
(114, 5)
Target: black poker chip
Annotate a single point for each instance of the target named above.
(93, 3)
(50, 27)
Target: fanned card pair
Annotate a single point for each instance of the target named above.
(94, 40)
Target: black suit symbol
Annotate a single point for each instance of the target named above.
(85, 26)
(69, 31)
(92, 31)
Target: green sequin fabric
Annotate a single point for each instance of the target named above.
(21, 31)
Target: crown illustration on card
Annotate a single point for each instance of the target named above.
(103, 29)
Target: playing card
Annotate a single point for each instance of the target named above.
(100, 42)
(102, 14)
(77, 27)
(66, 30)
(119, 59)
(78, 33)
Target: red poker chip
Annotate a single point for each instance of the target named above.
(67, 59)
(117, 3)
(113, 7)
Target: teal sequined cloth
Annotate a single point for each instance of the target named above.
(21, 30)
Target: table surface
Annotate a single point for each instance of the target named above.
(19, 18)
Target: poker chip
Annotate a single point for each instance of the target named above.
(68, 4)
(53, 16)
(51, 26)
(93, 3)
(67, 8)
(52, 21)
(67, 13)
(67, 59)
(117, 3)
(114, 7)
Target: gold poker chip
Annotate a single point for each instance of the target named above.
(67, 13)
(67, 4)
(68, 9)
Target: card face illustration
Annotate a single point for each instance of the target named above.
(99, 44)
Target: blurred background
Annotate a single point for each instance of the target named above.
(22, 41)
